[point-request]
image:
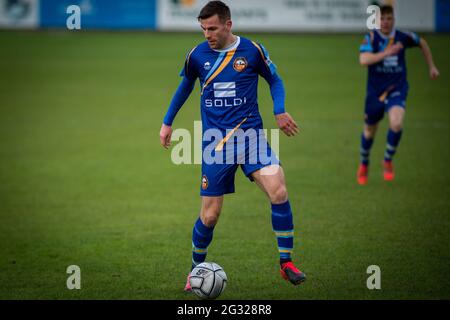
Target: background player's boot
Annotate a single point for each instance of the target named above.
(187, 287)
(363, 174)
(290, 273)
(388, 172)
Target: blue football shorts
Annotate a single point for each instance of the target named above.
(219, 167)
(376, 106)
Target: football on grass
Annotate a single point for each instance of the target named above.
(208, 280)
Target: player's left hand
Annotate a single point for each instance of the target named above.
(287, 124)
(434, 73)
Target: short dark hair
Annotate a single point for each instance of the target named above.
(215, 7)
(387, 9)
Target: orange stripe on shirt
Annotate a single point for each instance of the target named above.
(220, 145)
(222, 66)
(188, 58)
(391, 41)
(261, 52)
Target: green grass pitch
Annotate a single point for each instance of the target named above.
(84, 181)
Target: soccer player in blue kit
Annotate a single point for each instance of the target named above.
(383, 51)
(227, 67)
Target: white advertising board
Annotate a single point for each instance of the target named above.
(295, 15)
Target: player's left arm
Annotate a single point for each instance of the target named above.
(267, 70)
(434, 72)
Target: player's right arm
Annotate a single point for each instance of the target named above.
(181, 95)
(366, 55)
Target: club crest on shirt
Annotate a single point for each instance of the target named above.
(204, 182)
(207, 65)
(240, 64)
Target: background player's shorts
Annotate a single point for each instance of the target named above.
(375, 109)
(218, 178)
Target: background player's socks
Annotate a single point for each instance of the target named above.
(393, 140)
(201, 238)
(366, 145)
(284, 229)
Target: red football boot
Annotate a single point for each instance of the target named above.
(187, 287)
(388, 172)
(363, 174)
(290, 273)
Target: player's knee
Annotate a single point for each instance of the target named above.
(210, 215)
(396, 125)
(210, 211)
(279, 195)
(369, 131)
(210, 220)
(396, 115)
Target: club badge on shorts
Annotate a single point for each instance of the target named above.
(204, 182)
(240, 64)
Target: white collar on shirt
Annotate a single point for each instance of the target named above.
(233, 46)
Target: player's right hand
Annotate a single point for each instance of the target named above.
(165, 135)
(394, 49)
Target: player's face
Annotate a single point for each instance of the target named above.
(387, 23)
(216, 31)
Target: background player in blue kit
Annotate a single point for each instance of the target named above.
(383, 51)
(228, 67)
